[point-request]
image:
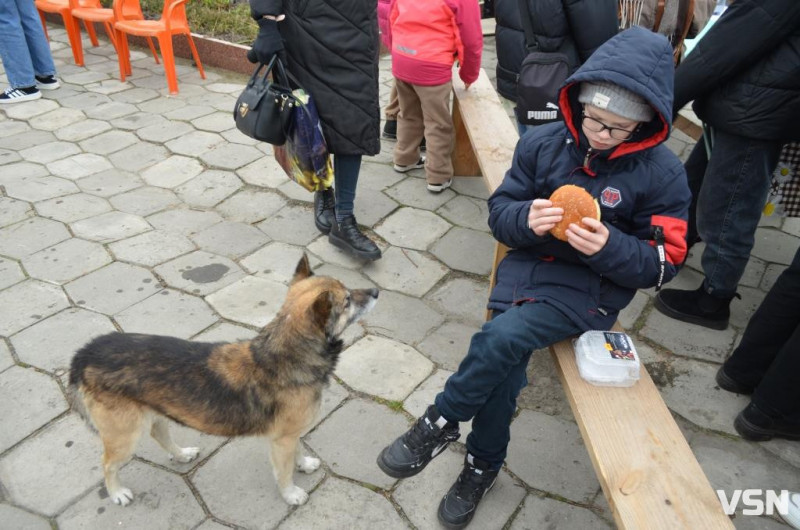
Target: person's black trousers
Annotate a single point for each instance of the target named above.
(768, 356)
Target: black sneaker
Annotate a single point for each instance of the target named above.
(390, 130)
(324, 205)
(18, 95)
(726, 382)
(347, 236)
(695, 307)
(411, 452)
(755, 425)
(47, 82)
(459, 504)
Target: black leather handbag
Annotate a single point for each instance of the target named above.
(263, 110)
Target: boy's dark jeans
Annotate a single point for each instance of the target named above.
(491, 376)
(769, 355)
(728, 194)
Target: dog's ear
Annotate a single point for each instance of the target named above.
(321, 309)
(303, 269)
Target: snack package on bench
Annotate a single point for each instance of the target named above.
(607, 358)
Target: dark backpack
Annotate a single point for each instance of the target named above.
(540, 78)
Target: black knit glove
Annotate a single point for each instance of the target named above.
(267, 43)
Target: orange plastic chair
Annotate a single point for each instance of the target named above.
(106, 16)
(172, 22)
(62, 7)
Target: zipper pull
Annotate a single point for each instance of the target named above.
(658, 236)
(586, 159)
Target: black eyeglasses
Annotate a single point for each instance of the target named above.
(595, 125)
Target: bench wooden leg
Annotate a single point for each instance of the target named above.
(465, 163)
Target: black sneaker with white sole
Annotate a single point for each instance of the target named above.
(404, 169)
(47, 82)
(18, 95)
(458, 506)
(411, 452)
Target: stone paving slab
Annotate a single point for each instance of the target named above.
(125, 208)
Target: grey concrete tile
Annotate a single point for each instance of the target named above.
(296, 192)
(110, 226)
(209, 188)
(215, 122)
(225, 332)
(33, 108)
(109, 182)
(162, 501)
(108, 142)
(405, 271)
(349, 440)
(688, 340)
(292, 224)
(630, 315)
(374, 510)
(251, 206)
(412, 228)
(151, 248)
(469, 212)
(471, 187)
(51, 343)
(230, 156)
(18, 518)
(402, 318)
(113, 288)
(188, 112)
(148, 449)
(25, 303)
(372, 206)
(10, 273)
(145, 201)
(135, 95)
(22, 414)
(275, 261)
(350, 278)
(172, 171)
(6, 360)
(230, 239)
(164, 133)
(194, 143)
(451, 247)
(24, 140)
(49, 152)
(167, 312)
(13, 211)
(57, 119)
(363, 367)
(199, 272)
(138, 156)
(238, 487)
(264, 172)
(65, 261)
(138, 120)
(252, 301)
(107, 110)
(462, 298)
(39, 188)
(448, 345)
(82, 130)
(7, 157)
(413, 192)
(79, 166)
(53, 468)
(185, 222)
(540, 512)
(771, 274)
(775, 246)
(548, 454)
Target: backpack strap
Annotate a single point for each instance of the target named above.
(525, 17)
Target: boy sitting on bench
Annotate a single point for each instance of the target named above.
(617, 109)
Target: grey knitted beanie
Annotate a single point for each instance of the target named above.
(616, 99)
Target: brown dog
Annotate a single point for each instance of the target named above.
(270, 386)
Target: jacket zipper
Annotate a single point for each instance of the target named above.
(586, 159)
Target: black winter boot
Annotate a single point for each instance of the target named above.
(390, 130)
(459, 504)
(414, 449)
(726, 382)
(324, 204)
(756, 425)
(346, 235)
(695, 307)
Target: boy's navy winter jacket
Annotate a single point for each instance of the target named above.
(639, 184)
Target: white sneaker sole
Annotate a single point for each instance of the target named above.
(20, 99)
(48, 86)
(439, 188)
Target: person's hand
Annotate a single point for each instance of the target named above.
(586, 241)
(267, 43)
(542, 216)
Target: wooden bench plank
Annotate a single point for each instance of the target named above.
(647, 470)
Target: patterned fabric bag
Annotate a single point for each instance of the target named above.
(784, 193)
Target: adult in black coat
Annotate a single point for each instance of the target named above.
(332, 49)
(573, 27)
(744, 78)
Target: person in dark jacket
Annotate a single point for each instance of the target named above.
(743, 78)
(332, 49)
(617, 109)
(573, 27)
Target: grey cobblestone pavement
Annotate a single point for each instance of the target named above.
(124, 209)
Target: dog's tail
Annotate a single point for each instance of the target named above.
(75, 397)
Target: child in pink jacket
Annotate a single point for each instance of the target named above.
(426, 38)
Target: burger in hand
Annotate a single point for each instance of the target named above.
(577, 204)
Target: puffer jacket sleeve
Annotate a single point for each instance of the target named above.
(747, 31)
(592, 22)
(468, 20)
(259, 8)
(632, 262)
(511, 201)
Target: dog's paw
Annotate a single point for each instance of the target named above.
(308, 464)
(187, 454)
(122, 496)
(295, 495)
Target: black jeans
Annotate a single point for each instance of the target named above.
(769, 354)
